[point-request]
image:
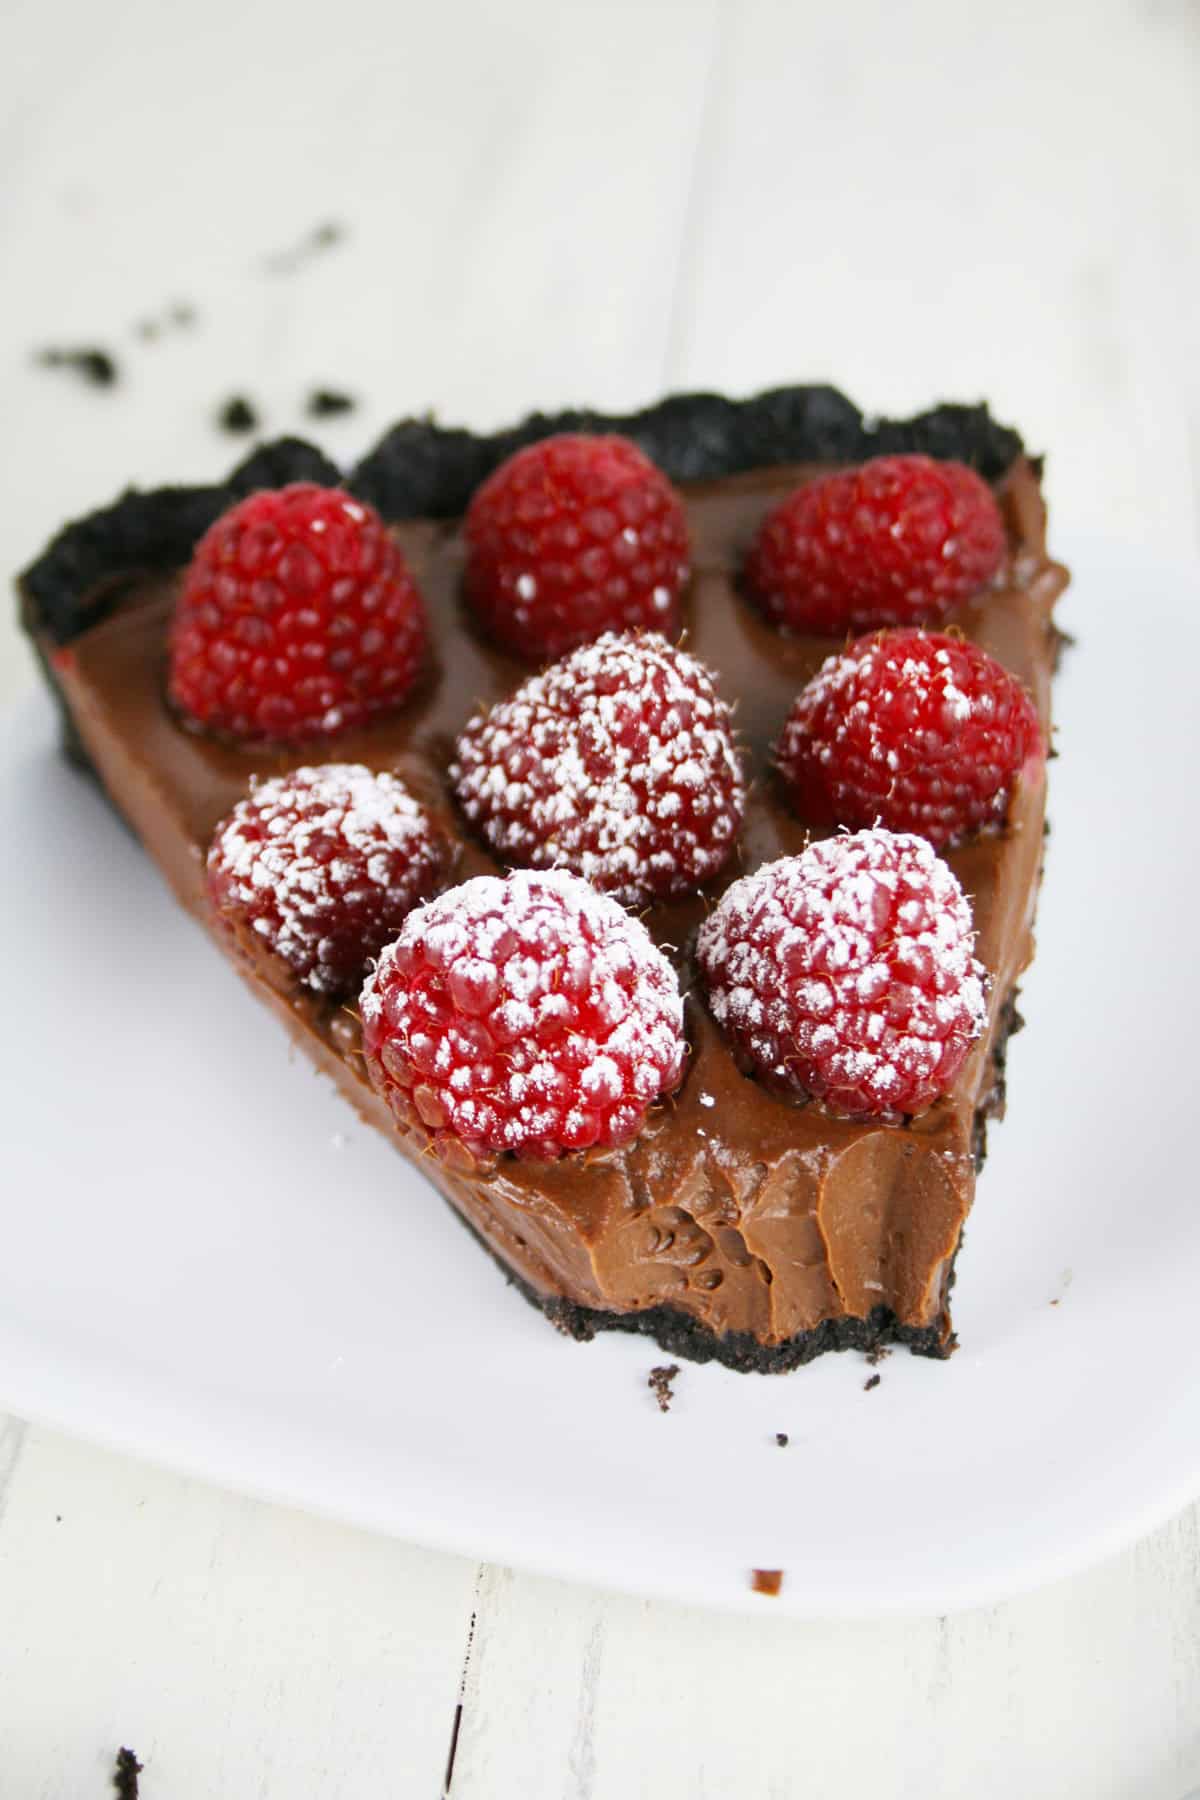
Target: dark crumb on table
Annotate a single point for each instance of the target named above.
(877, 1354)
(1055, 1302)
(660, 1381)
(872, 1381)
(781, 1438)
(237, 415)
(766, 1581)
(95, 366)
(125, 1775)
(324, 403)
(322, 237)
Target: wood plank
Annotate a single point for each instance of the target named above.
(238, 1648)
(1088, 1689)
(936, 200)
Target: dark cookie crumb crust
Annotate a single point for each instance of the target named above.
(421, 469)
(680, 1335)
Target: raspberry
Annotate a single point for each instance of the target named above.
(571, 537)
(848, 973)
(531, 1015)
(912, 730)
(901, 540)
(617, 762)
(322, 866)
(298, 618)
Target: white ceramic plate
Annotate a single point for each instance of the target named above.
(207, 1260)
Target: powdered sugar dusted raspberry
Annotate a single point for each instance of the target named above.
(914, 730)
(848, 972)
(529, 1015)
(617, 762)
(323, 865)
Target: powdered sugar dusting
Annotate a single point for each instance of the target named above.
(849, 971)
(324, 863)
(929, 680)
(530, 1015)
(915, 730)
(617, 763)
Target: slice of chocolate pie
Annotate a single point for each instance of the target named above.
(755, 1211)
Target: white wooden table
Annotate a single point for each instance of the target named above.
(547, 203)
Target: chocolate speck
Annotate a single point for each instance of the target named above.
(125, 1774)
(237, 415)
(93, 365)
(781, 1438)
(877, 1354)
(766, 1581)
(659, 1381)
(324, 403)
(872, 1381)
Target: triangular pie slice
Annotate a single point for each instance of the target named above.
(741, 1225)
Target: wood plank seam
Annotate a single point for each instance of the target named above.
(481, 1571)
(681, 286)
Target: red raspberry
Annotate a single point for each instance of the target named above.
(298, 619)
(571, 537)
(322, 866)
(901, 540)
(617, 762)
(531, 1015)
(848, 973)
(912, 730)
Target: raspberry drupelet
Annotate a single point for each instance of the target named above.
(848, 974)
(529, 1015)
(899, 540)
(572, 537)
(618, 763)
(913, 730)
(321, 867)
(298, 619)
